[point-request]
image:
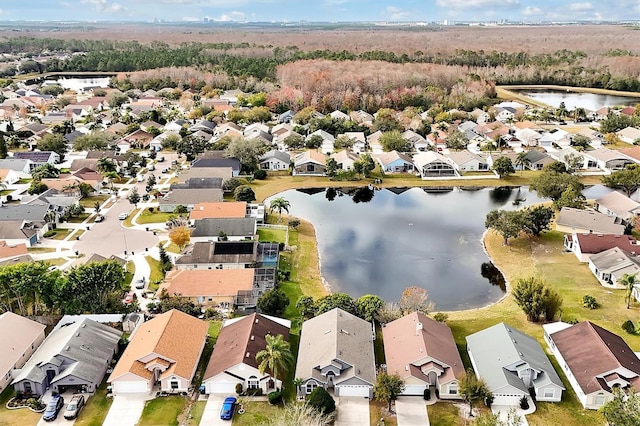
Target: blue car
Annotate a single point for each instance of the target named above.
(53, 408)
(228, 407)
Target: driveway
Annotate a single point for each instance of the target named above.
(411, 411)
(211, 414)
(352, 411)
(126, 410)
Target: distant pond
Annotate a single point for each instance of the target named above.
(382, 241)
(573, 100)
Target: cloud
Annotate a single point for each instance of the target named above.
(105, 6)
(233, 16)
(466, 4)
(530, 11)
(581, 7)
(396, 14)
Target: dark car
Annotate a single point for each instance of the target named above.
(74, 407)
(53, 408)
(228, 407)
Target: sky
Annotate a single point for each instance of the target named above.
(319, 10)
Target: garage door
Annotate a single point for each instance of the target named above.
(414, 390)
(129, 387)
(362, 391)
(221, 387)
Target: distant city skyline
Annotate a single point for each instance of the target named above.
(320, 10)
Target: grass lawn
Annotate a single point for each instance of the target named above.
(23, 181)
(6, 191)
(89, 202)
(156, 217)
(173, 248)
(197, 410)
(96, 409)
(78, 233)
(59, 233)
(256, 413)
(377, 411)
(270, 235)
(24, 416)
(156, 276)
(57, 262)
(127, 221)
(444, 414)
(79, 219)
(162, 411)
(40, 249)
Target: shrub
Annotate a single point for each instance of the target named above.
(150, 209)
(589, 302)
(9, 198)
(254, 392)
(488, 401)
(239, 388)
(50, 234)
(426, 394)
(260, 174)
(440, 316)
(294, 223)
(275, 397)
(524, 403)
(629, 327)
(321, 401)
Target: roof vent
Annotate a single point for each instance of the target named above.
(252, 338)
(247, 355)
(344, 331)
(327, 332)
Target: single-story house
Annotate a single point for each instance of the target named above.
(594, 360)
(629, 135)
(536, 160)
(74, 357)
(233, 360)
(28, 232)
(610, 265)
(336, 352)
(164, 351)
(345, 159)
(9, 251)
(586, 245)
(587, 163)
(21, 337)
(228, 255)
(528, 136)
(310, 163)
(210, 287)
(395, 162)
(38, 158)
(433, 164)
(618, 205)
(15, 164)
(572, 220)
(10, 177)
(609, 159)
(275, 160)
(466, 161)
(424, 354)
(198, 183)
(512, 364)
(418, 142)
(188, 198)
(203, 161)
(219, 210)
(235, 229)
(225, 173)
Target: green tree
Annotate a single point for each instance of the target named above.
(276, 357)
(4, 151)
(507, 223)
(55, 143)
(294, 141)
(45, 171)
(522, 161)
(456, 140)
(368, 306)
(273, 302)
(556, 166)
(332, 167)
(191, 146)
(388, 387)
(570, 198)
(537, 219)
(472, 389)
(24, 286)
(314, 142)
(89, 288)
(37, 187)
(535, 299)
(151, 182)
(134, 198)
(180, 210)
(336, 300)
(628, 281)
(393, 141)
(623, 409)
(368, 165)
(248, 151)
(415, 299)
(306, 306)
(244, 193)
(279, 204)
(321, 401)
(106, 165)
(503, 167)
(627, 180)
(385, 121)
(550, 184)
(165, 260)
(96, 140)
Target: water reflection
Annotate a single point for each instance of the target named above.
(493, 274)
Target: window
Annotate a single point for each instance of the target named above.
(453, 389)
(252, 383)
(549, 393)
(311, 386)
(599, 400)
(310, 168)
(174, 383)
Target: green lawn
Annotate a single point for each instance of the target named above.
(79, 219)
(196, 412)
(96, 408)
(256, 413)
(162, 411)
(444, 414)
(59, 233)
(127, 221)
(377, 411)
(156, 276)
(89, 202)
(270, 235)
(40, 249)
(172, 248)
(23, 416)
(57, 262)
(6, 191)
(156, 217)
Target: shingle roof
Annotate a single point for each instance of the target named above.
(18, 334)
(174, 336)
(192, 196)
(597, 243)
(207, 282)
(232, 227)
(220, 210)
(240, 341)
(217, 162)
(279, 155)
(618, 203)
(220, 252)
(23, 212)
(199, 183)
(589, 219)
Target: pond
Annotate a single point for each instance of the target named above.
(573, 100)
(76, 84)
(382, 241)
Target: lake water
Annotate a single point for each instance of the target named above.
(81, 83)
(573, 100)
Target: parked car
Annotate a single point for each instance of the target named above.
(53, 408)
(160, 159)
(99, 218)
(123, 216)
(74, 407)
(152, 168)
(129, 298)
(174, 162)
(228, 407)
(140, 178)
(165, 170)
(139, 283)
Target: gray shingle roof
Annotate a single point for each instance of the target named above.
(232, 227)
(192, 196)
(23, 212)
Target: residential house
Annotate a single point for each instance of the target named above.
(595, 138)
(275, 160)
(233, 360)
(513, 365)
(345, 159)
(572, 220)
(586, 245)
(601, 113)
(22, 167)
(21, 337)
(359, 141)
(536, 160)
(220, 210)
(336, 352)
(223, 288)
(418, 142)
(10, 251)
(610, 265)
(264, 137)
(228, 255)
(373, 140)
(618, 205)
(202, 125)
(529, 137)
(629, 135)
(225, 173)
(609, 159)
(150, 126)
(633, 153)
(138, 139)
(234, 229)
(198, 183)
(206, 160)
(362, 117)
(465, 161)
(594, 360)
(281, 129)
(504, 114)
(255, 127)
(480, 116)
(339, 115)
(555, 137)
(433, 164)
(424, 354)
(395, 162)
(74, 357)
(164, 351)
(227, 129)
(188, 198)
(629, 110)
(586, 162)
(310, 163)
(10, 177)
(286, 117)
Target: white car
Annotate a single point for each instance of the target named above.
(123, 216)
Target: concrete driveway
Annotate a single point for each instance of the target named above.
(126, 410)
(411, 411)
(352, 411)
(211, 414)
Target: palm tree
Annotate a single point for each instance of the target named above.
(279, 204)
(522, 161)
(276, 357)
(105, 165)
(628, 281)
(96, 206)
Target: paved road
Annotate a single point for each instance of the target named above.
(411, 411)
(352, 411)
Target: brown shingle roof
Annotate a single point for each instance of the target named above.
(597, 243)
(7, 251)
(590, 351)
(236, 340)
(173, 336)
(208, 282)
(223, 210)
